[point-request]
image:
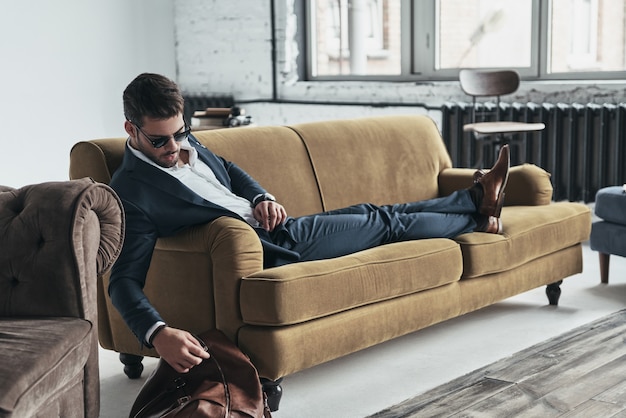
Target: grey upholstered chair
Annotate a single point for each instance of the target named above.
(608, 235)
(55, 239)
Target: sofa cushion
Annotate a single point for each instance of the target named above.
(303, 291)
(530, 232)
(38, 359)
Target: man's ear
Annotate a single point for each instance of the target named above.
(130, 128)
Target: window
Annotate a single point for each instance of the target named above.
(587, 36)
(356, 37)
(483, 33)
(433, 39)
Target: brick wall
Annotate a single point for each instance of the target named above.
(224, 47)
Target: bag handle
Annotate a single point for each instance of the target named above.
(219, 368)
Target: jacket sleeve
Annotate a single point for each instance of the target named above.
(128, 275)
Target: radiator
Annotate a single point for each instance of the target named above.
(583, 145)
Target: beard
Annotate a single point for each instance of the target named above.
(163, 159)
(167, 160)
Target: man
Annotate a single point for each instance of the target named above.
(168, 181)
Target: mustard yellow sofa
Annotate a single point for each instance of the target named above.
(297, 316)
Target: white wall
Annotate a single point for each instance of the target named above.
(64, 65)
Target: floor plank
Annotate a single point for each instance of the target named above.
(580, 373)
(616, 395)
(593, 408)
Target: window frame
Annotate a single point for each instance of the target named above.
(419, 46)
(311, 43)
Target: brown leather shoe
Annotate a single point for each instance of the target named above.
(492, 226)
(493, 184)
(478, 174)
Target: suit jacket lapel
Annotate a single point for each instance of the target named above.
(146, 173)
(212, 160)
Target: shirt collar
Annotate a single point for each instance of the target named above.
(184, 145)
(193, 153)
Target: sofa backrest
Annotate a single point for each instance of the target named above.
(380, 160)
(97, 158)
(315, 166)
(274, 156)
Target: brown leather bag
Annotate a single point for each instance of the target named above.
(224, 385)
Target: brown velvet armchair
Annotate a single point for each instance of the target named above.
(55, 239)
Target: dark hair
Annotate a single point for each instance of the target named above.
(152, 95)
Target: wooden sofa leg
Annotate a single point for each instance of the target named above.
(553, 291)
(604, 267)
(274, 392)
(132, 365)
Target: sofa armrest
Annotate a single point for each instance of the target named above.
(234, 250)
(56, 238)
(528, 185)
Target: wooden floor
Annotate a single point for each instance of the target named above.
(581, 373)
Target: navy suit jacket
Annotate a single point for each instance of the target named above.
(157, 205)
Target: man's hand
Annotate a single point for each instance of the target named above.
(269, 214)
(179, 349)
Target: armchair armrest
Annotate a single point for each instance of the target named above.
(56, 238)
(528, 184)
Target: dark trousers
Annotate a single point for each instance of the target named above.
(355, 228)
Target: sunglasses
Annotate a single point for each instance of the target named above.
(159, 141)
